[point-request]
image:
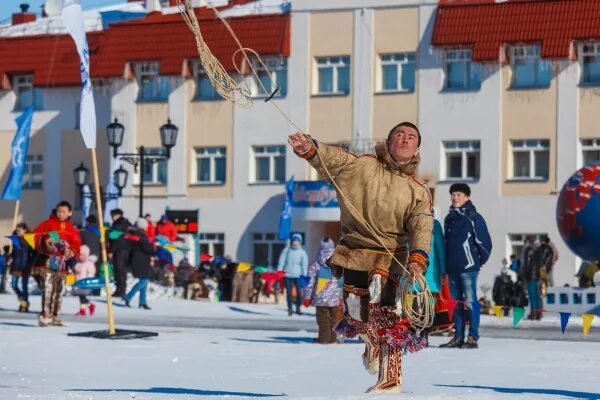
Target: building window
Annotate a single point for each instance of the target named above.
(269, 164)
(333, 75)
(33, 174)
(26, 94)
(213, 244)
(531, 159)
(591, 150)
(590, 56)
(153, 87)
(461, 73)
(155, 173)
(205, 89)
(528, 69)
(266, 249)
(517, 241)
(397, 72)
(275, 75)
(211, 165)
(461, 159)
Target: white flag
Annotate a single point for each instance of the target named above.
(87, 203)
(73, 19)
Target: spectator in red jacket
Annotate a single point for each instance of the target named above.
(59, 222)
(150, 229)
(166, 228)
(57, 249)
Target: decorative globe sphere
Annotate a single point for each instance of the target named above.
(578, 212)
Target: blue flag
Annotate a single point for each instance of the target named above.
(564, 320)
(285, 219)
(20, 144)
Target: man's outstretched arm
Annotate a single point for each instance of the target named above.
(329, 158)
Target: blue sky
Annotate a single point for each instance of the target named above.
(7, 7)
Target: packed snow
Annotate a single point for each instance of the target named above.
(189, 363)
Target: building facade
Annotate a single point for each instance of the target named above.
(509, 112)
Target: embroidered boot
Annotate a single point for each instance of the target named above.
(390, 372)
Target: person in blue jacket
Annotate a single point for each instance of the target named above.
(468, 247)
(294, 262)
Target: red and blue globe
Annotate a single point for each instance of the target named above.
(578, 212)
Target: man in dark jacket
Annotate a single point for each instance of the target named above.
(141, 258)
(468, 247)
(531, 271)
(119, 249)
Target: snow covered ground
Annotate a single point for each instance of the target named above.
(180, 313)
(184, 362)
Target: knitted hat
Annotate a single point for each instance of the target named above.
(296, 237)
(326, 244)
(462, 188)
(142, 223)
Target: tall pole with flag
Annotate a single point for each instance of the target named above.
(72, 14)
(20, 145)
(285, 219)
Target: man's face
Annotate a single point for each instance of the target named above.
(63, 213)
(20, 231)
(458, 199)
(296, 244)
(404, 144)
(115, 217)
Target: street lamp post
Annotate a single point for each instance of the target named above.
(81, 175)
(115, 132)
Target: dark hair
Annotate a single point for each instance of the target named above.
(116, 211)
(23, 226)
(407, 124)
(6, 249)
(460, 187)
(64, 203)
(91, 219)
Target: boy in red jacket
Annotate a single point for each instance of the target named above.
(58, 239)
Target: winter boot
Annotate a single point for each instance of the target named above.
(23, 306)
(81, 312)
(531, 316)
(390, 379)
(370, 357)
(538, 315)
(471, 343)
(57, 322)
(455, 343)
(92, 308)
(44, 321)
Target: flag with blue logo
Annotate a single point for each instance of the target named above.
(73, 19)
(285, 219)
(20, 144)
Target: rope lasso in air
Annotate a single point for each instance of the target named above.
(413, 290)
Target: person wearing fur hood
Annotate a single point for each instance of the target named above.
(383, 207)
(323, 292)
(85, 268)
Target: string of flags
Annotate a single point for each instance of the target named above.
(519, 312)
